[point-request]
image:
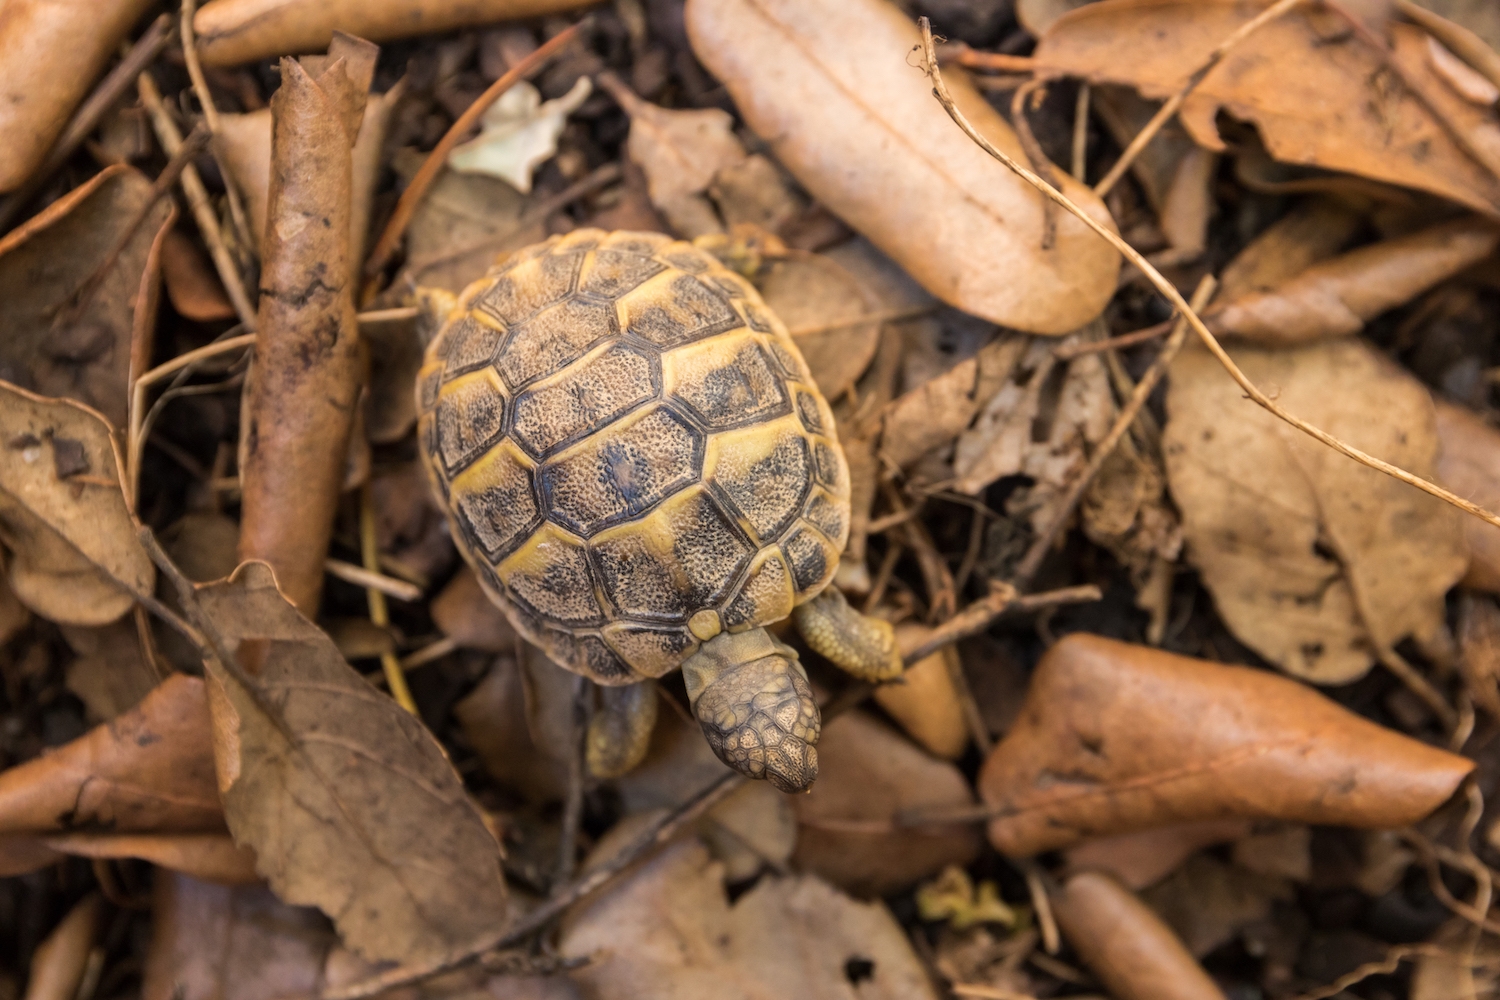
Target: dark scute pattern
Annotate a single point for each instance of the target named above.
(760, 585)
(708, 547)
(770, 492)
(588, 397)
(638, 581)
(428, 386)
(503, 512)
(791, 365)
(555, 338)
(641, 244)
(758, 317)
(520, 292)
(827, 464)
(695, 311)
(618, 474)
(471, 346)
(726, 284)
(615, 272)
(688, 259)
(807, 409)
(562, 592)
(808, 559)
(746, 389)
(592, 657)
(651, 651)
(469, 421)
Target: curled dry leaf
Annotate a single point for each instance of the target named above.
(1335, 298)
(939, 409)
(666, 931)
(38, 38)
(193, 288)
(1313, 561)
(1127, 946)
(74, 556)
(110, 674)
(1208, 903)
(60, 961)
(926, 702)
(148, 770)
(1115, 737)
(238, 31)
(1319, 93)
(1313, 230)
(59, 342)
(348, 801)
(814, 75)
(825, 308)
(466, 615)
(868, 776)
(1469, 464)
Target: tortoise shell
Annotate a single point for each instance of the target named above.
(631, 451)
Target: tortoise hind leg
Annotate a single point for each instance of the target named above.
(620, 729)
(752, 699)
(858, 644)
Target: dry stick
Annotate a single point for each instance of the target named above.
(197, 196)
(1081, 133)
(89, 114)
(1035, 154)
(997, 62)
(983, 992)
(940, 91)
(1070, 351)
(1002, 599)
(1043, 542)
(369, 552)
(381, 253)
(1041, 903)
(372, 580)
(211, 116)
(1167, 110)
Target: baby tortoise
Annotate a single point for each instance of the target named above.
(637, 464)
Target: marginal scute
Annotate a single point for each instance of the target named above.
(765, 597)
(676, 309)
(650, 651)
(496, 502)
(832, 470)
(615, 272)
(470, 418)
(727, 382)
(587, 395)
(828, 516)
(620, 472)
(553, 338)
(810, 412)
(812, 560)
(529, 286)
(591, 655)
(471, 345)
(550, 574)
(764, 471)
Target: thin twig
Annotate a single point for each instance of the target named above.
(1170, 108)
(1041, 903)
(940, 91)
(211, 116)
(1068, 352)
(372, 580)
(380, 617)
(1392, 960)
(1044, 541)
(1081, 133)
(1033, 150)
(197, 197)
(997, 62)
(385, 247)
(1003, 598)
(90, 113)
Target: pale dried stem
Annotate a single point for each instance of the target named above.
(198, 201)
(1081, 133)
(1043, 542)
(1003, 598)
(372, 580)
(1041, 904)
(369, 553)
(940, 91)
(1070, 351)
(211, 116)
(984, 992)
(1166, 111)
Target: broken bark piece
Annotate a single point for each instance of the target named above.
(1116, 737)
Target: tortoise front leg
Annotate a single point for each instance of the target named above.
(858, 644)
(620, 729)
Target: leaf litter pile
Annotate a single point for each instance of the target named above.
(1159, 341)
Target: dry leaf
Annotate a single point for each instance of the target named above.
(300, 403)
(1208, 903)
(1478, 19)
(193, 287)
(1319, 94)
(1283, 850)
(1147, 856)
(812, 76)
(238, 31)
(1314, 561)
(1128, 947)
(868, 776)
(1335, 298)
(13, 614)
(148, 770)
(518, 133)
(517, 720)
(1115, 737)
(1479, 650)
(50, 54)
(58, 966)
(1313, 230)
(938, 409)
(466, 615)
(1468, 463)
(667, 932)
(110, 673)
(395, 356)
(349, 802)
(57, 342)
(63, 514)
(926, 703)
(824, 307)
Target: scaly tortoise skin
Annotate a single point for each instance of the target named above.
(637, 464)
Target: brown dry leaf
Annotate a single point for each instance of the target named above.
(58, 966)
(348, 801)
(1208, 903)
(466, 615)
(239, 31)
(299, 405)
(1313, 230)
(753, 192)
(1335, 298)
(868, 776)
(213, 857)
(50, 54)
(74, 555)
(1314, 561)
(926, 702)
(148, 770)
(824, 307)
(1479, 16)
(1145, 857)
(517, 720)
(110, 673)
(192, 284)
(395, 355)
(1115, 737)
(56, 344)
(810, 76)
(1479, 650)
(1468, 463)
(667, 931)
(1128, 947)
(938, 409)
(13, 614)
(1319, 94)
(1282, 850)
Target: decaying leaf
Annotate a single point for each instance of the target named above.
(1319, 93)
(213, 857)
(939, 409)
(1207, 903)
(349, 802)
(1115, 737)
(868, 776)
(1127, 946)
(811, 77)
(149, 770)
(1312, 231)
(68, 330)
(517, 719)
(1468, 463)
(237, 31)
(518, 133)
(193, 288)
(825, 308)
(667, 932)
(110, 673)
(74, 556)
(61, 960)
(1337, 297)
(1313, 561)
